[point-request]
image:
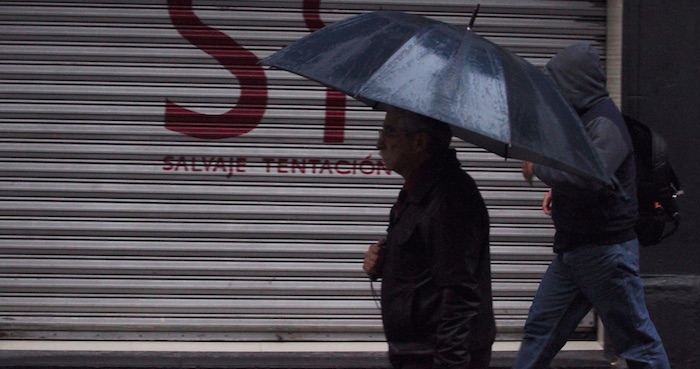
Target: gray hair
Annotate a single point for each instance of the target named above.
(440, 132)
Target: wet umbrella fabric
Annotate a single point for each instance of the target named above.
(490, 96)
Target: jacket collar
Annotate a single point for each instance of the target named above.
(428, 175)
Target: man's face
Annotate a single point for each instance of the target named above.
(396, 146)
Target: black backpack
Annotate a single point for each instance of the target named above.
(657, 185)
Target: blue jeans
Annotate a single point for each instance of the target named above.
(607, 279)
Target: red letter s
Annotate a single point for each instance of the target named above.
(335, 101)
(242, 63)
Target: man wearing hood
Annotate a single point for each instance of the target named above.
(597, 252)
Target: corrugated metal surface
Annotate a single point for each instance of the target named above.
(113, 226)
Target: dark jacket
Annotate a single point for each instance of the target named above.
(436, 279)
(586, 213)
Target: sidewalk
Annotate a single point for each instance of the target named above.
(257, 360)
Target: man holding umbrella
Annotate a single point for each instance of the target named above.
(434, 263)
(597, 261)
(435, 272)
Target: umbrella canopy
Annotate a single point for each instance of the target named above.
(490, 96)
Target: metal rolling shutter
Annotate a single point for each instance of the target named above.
(113, 227)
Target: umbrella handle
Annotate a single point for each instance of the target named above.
(471, 21)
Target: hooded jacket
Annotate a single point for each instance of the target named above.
(585, 213)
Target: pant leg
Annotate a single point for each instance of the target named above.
(480, 358)
(411, 361)
(557, 309)
(617, 294)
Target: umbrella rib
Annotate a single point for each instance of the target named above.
(373, 76)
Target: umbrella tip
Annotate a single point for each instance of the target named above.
(471, 21)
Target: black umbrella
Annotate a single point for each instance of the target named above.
(491, 97)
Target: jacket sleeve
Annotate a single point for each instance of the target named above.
(612, 148)
(456, 233)
(459, 306)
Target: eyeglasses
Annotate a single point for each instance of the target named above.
(390, 133)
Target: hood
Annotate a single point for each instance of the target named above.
(578, 71)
